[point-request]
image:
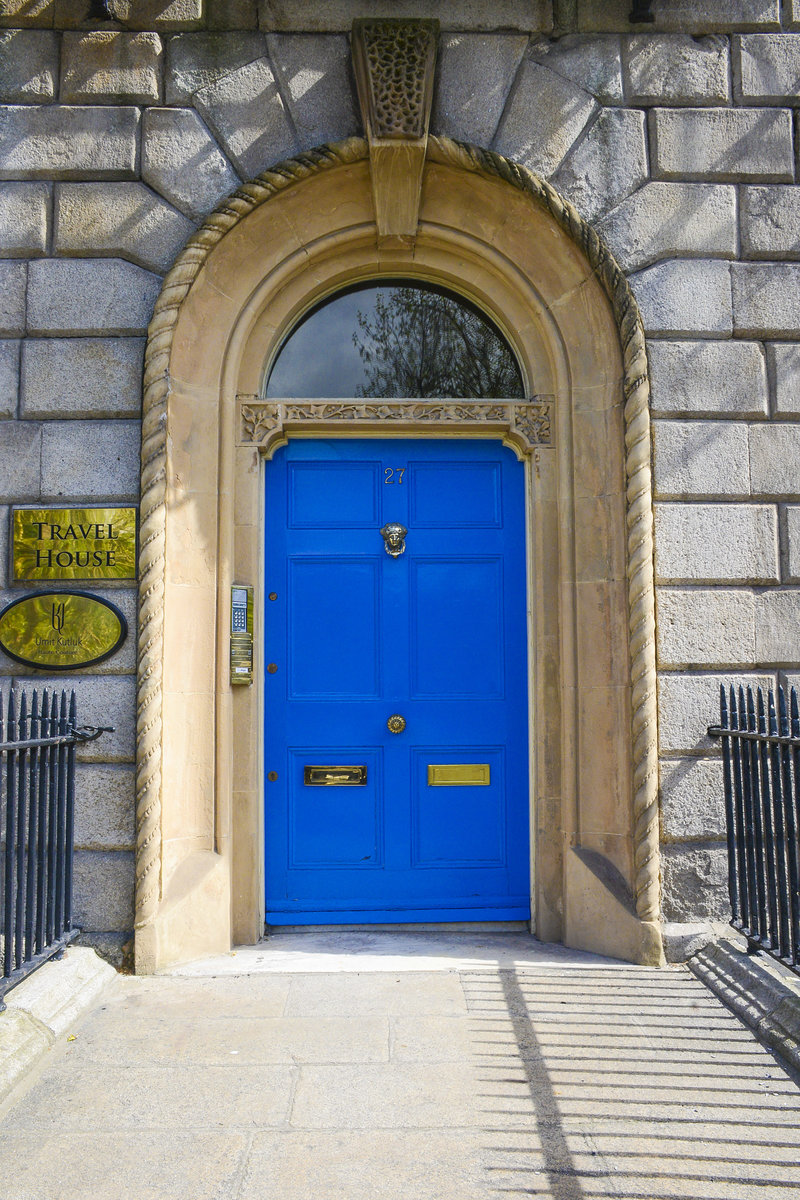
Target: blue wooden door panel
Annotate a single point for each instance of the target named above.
(333, 495)
(455, 619)
(323, 619)
(438, 635)
(455, 495)
(327, 830)
(459, 826)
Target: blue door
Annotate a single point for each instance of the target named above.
(429, 823)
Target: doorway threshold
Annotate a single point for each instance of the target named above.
(370, 951)
(271, 931)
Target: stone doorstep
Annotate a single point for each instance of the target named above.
(45, 1006)
(764, 994)
(682, 939)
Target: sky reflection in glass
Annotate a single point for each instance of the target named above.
(395, 339)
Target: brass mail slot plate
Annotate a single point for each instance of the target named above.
(458, 775)
(334, 776)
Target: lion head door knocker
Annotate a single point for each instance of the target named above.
(394, 538)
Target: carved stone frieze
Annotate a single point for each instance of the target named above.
(266, 423)
(394, 62)
(534, 422)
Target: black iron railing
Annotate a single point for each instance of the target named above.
(761, 763)
(37, 807)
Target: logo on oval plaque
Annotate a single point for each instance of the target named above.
(60, 631)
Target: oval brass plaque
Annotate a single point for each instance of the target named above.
(60, 631)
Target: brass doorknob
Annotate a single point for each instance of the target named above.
(396, 723)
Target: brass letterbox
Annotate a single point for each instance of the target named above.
(458, 775)
(334, 776)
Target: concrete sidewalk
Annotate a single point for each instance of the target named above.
(325, 1069)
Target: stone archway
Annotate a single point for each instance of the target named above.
(508, 242)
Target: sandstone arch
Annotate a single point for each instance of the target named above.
(504, 238)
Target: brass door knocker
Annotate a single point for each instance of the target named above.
(394, 537)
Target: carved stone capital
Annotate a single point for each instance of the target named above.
(394, 62)
(268, 423)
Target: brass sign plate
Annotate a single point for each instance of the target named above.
(60, 631)
(458, 775)
(73, 543)
(334, 776)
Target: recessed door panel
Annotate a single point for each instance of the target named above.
(434, 633)
(463, 824)
(456, 651)
(332, 495)
(335, 825)
(334, 627)
(455, 495)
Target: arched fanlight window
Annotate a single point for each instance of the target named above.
(394, 339)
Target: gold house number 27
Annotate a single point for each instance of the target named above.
(390, 472)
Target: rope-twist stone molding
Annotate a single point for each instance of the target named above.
(641, 593)
(153, 503)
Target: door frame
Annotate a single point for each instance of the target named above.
(505, 240)
(431, 435)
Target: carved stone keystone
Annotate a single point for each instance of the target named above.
(394, 62)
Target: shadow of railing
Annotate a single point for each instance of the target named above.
(634, 1083)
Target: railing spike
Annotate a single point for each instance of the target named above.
(782, 714)
(751, 710)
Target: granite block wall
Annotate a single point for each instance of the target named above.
(678, 140)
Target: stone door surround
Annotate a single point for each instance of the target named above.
(503, 238)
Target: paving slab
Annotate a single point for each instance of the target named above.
(436, 1039)
(426, 1165)
(155, 1097)
(339, 1067)
(391, 1096)
(163, 1040)
(207, 998)
(144, 1164)
(358, 995)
